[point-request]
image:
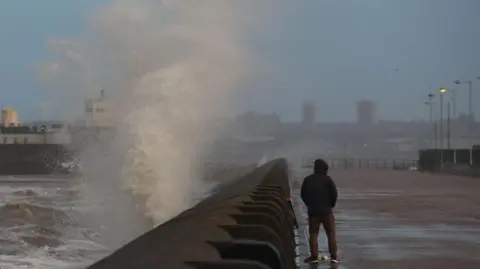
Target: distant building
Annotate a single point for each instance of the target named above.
(308, 116)
(31, 137)
(9, 117)
(366, 112)
(98, 112)
(257, 124)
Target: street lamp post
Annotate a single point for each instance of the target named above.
(429, 129)
(451, 101)
(435, 130)
(454, 103)
(442, 91)
(470, 109)
(432, 123)
(448, 124)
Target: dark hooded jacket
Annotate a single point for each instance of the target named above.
(319, 192)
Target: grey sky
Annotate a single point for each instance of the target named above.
(334, 52)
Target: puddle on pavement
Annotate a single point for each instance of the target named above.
(367, 194)
(379, 237)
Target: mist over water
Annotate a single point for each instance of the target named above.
(170, 69)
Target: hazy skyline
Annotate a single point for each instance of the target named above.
(331, 52)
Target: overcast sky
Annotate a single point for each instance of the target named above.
(333, 52)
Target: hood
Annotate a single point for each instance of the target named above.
(320, 167)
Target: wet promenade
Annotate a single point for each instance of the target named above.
(401, 219)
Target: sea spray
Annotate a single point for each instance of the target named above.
(182, 70)
(169, 68)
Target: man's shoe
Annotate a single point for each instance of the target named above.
(334, 260)
(311, 259)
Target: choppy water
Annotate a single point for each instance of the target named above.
(46, 222)
(41, 225)
(60, 223)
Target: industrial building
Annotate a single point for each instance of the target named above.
(308, 116)
(9, 117)
(366, 112)
(98, 112)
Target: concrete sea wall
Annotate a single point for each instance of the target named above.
(245, 223)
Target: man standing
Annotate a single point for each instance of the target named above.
(319, 193)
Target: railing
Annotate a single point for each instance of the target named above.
(378, 164)
(463, 162)
(247, 223)
(431, 158)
